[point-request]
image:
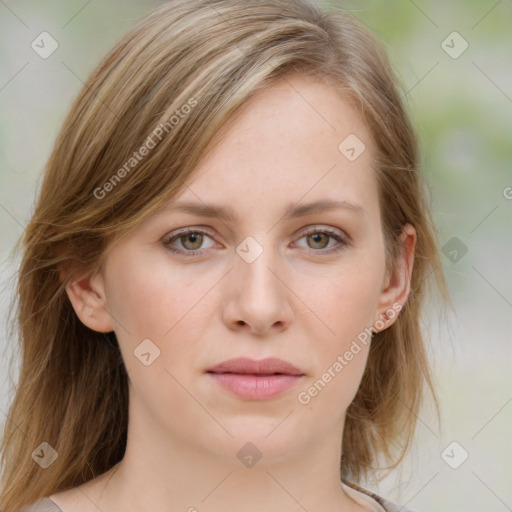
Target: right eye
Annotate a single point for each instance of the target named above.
(190, 240)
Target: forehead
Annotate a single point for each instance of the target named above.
(294, 141)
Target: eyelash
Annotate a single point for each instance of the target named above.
(168, 239)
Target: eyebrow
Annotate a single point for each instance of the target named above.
(228, 214)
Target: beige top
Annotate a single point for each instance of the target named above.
(368, 502)
(374, 502)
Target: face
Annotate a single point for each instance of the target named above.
(279, 275)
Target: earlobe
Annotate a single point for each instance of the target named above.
(398, 283)
(87, 296)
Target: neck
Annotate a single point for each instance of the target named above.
(173, 472)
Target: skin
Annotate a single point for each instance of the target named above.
(295, 301)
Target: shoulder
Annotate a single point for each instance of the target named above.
(42, 505)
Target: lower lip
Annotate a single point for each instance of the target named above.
(252, 387)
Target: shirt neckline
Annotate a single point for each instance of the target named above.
(366, 500)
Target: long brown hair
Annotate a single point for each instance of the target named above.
(172, 85)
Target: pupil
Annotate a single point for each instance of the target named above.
(317, 237)
(192, 238)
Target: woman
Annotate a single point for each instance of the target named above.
(221, 284)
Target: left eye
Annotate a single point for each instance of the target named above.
(320, 239)
(192, 240)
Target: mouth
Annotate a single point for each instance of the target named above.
(253, 374)
(263, 367)
(252, 380)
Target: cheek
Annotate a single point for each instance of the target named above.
(153, 307)
(350, 297)
(347, 307)
(148, 296)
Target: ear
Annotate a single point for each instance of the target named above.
(397, 282)
(87, 296)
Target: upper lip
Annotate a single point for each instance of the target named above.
(266, 366)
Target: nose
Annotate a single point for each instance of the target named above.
(257, 296)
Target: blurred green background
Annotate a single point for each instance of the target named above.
(462, 107)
